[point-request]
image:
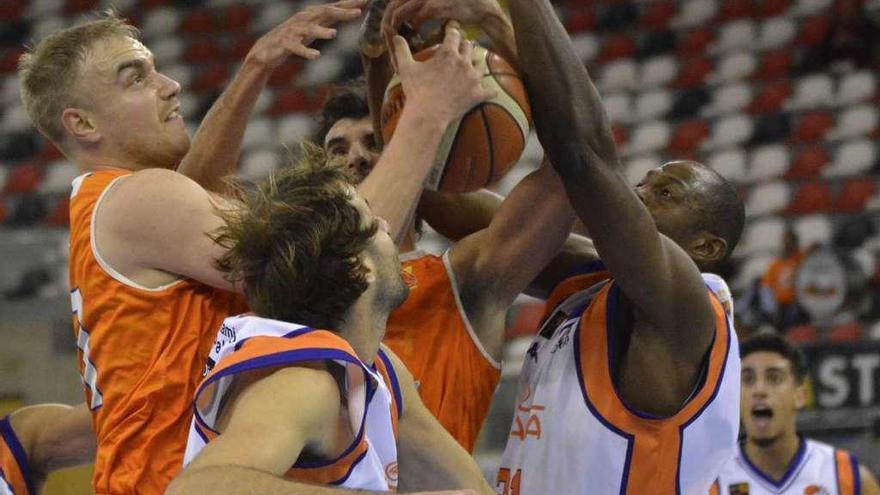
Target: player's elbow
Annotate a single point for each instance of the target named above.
(201, 480)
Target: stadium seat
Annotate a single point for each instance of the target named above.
(815, 229)
(294, 128)
(619, 75)
(19, 146)
(37, 9)
(235, 18)
(810, 197)
(774, 65)
(740, 34)
(324, 70)
(768, 162)
(855, 157)
(695, 13)
(730, 131)
(23, 179)
(695, 42)
(285, 74)
(737, 65)
(259, 163)
(802, 335)
(688, 103)
(751, 269)
(805, 8)
(579, 19)
(737, 9)
(618, 17)
(181, 73)
(160, 22)
(4, 174)
(259, 132)
(168, 50)
(618, 108)
(16, 120)
(694, 72)
(58, 177)
(211, 78)
(656, 43)
(731, 164)
(59, 214)
(637, 168)
(812, 126)
(848, 332)
(776, 33)
(199, 21)
(653, 104)
(586, 46)
(809, 163)
(240, 45)
(730, 98)
(856, 121)
(771, 128)
(814, 31)
(688, 137)
(855, 194)
(770, 8)
(190, 103)
(78, 6)
(814, 91)
(657, 15)
(270, 15)
(203, 49)
(621, 135)
(648, 137)
(658, 71)
(767, 198)
(856, 87)
(771, 97)
(762, 236)
(615, 47)
(46, 25)
(29, 210)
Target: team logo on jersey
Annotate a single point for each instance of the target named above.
(409, 277)
(816, 490)
(739, 489)
(391, 473)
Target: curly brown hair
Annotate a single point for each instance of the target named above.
(296, 243)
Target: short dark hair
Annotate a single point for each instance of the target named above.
(345, 101)
(773, 342)
(722, 211)
(296, 243)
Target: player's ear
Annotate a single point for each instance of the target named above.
(80, 125)
(800, 395)
(708, 249)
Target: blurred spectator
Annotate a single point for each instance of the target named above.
(778, 284)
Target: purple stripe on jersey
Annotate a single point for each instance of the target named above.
(18, 452)
(793, 467)
(395, 385)
(591, 267)
(857, 480)
(351, 468)
(629, 438)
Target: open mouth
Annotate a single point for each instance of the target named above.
(762, 415)
(175, 114)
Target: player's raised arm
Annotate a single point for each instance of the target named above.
(438, 91)
(656, 275)
(217, 143)
(868, 481)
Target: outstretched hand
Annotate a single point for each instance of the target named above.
(416, 12)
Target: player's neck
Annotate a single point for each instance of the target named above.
(364, 328)
(776, 458)
(409, 242)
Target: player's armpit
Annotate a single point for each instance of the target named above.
(868, 481)
(160, 220)
(427, 455)
(265, 428)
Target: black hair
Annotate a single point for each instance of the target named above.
(345, 101)
(722, 210)
(773, 342)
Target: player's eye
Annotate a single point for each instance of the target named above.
(338, 150)
(666, 193)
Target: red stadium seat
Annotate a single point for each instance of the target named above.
(579, 18)
(771, 97)
(803, 334)
(12, 9)
(770, 8)
(199, 21)
(809, 163)
(774, 65)
(657, 15)
(737, 9)
(814, 31)
(848, 332)
(77, 6)
(201, 50)
(284, 74)
(235, 19)
(811, 197)
(293, 101)
(813, 126)
(621, 135)
(48, 153)
(694, 72)
(696, 42)
(60, 214)
(615, 47)
(240, 47)
(855, 194)
(23, 179)
(211, 79)
(688, 137)
(151, 4)
(9, 60)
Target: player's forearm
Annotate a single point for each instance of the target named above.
(217, 144)
(378, 72)
(238, 480)
(396, 182)
(500, 32)
(568, 112)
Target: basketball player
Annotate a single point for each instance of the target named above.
(631, 386)
(36, 440)
(147, 297)
(299, 393)
(774, 459)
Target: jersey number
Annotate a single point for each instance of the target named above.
(89, 372)
(509, 486)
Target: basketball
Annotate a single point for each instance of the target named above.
(486, 142)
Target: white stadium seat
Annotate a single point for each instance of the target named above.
(658, 71)
(160, 22)
(259, 163)
(814, 91)
(637, 168)
(59, 176)
(737, 65)
(619, 75)
(776, 32)
(855, 87)
(855, 122)
(294, 128)
(729, 131)
(853, 157)
(730, 98)
(260, 132)
(653, 104)
(769, 162)
(736, 35)
(695, 12)
(167, 50)
(814, 229)
(767, 198)
(618, 107)
(648, 137)
(586, 46)
(731, 164)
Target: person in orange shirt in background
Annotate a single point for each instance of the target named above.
(778, 283)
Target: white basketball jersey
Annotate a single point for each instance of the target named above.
(572, 433)
(247, 343)
(817, 469)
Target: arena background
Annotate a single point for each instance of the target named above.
(780, 96)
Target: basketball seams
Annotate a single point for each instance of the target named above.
(490, 142)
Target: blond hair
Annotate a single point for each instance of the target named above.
(48, 72)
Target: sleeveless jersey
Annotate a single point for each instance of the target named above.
(572, 433)
(817, 469)
(15, 475)
(248, 343)
(431, 334)
(141, 353)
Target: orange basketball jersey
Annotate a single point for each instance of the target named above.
(141, 353)
(433, 337)
(15, 476)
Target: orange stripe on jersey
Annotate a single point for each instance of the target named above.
(14, 469)
(654, 443)
(595, 273)
(715, 489)
(848, 480)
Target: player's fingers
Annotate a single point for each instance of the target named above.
(487, 94)
(452, 37)
(401, 13)
(350, 4)
(402, 56)
(429, 10)
(466, 49)
(315, 32)
(302, 50)
(386, 27)
(332, 15)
